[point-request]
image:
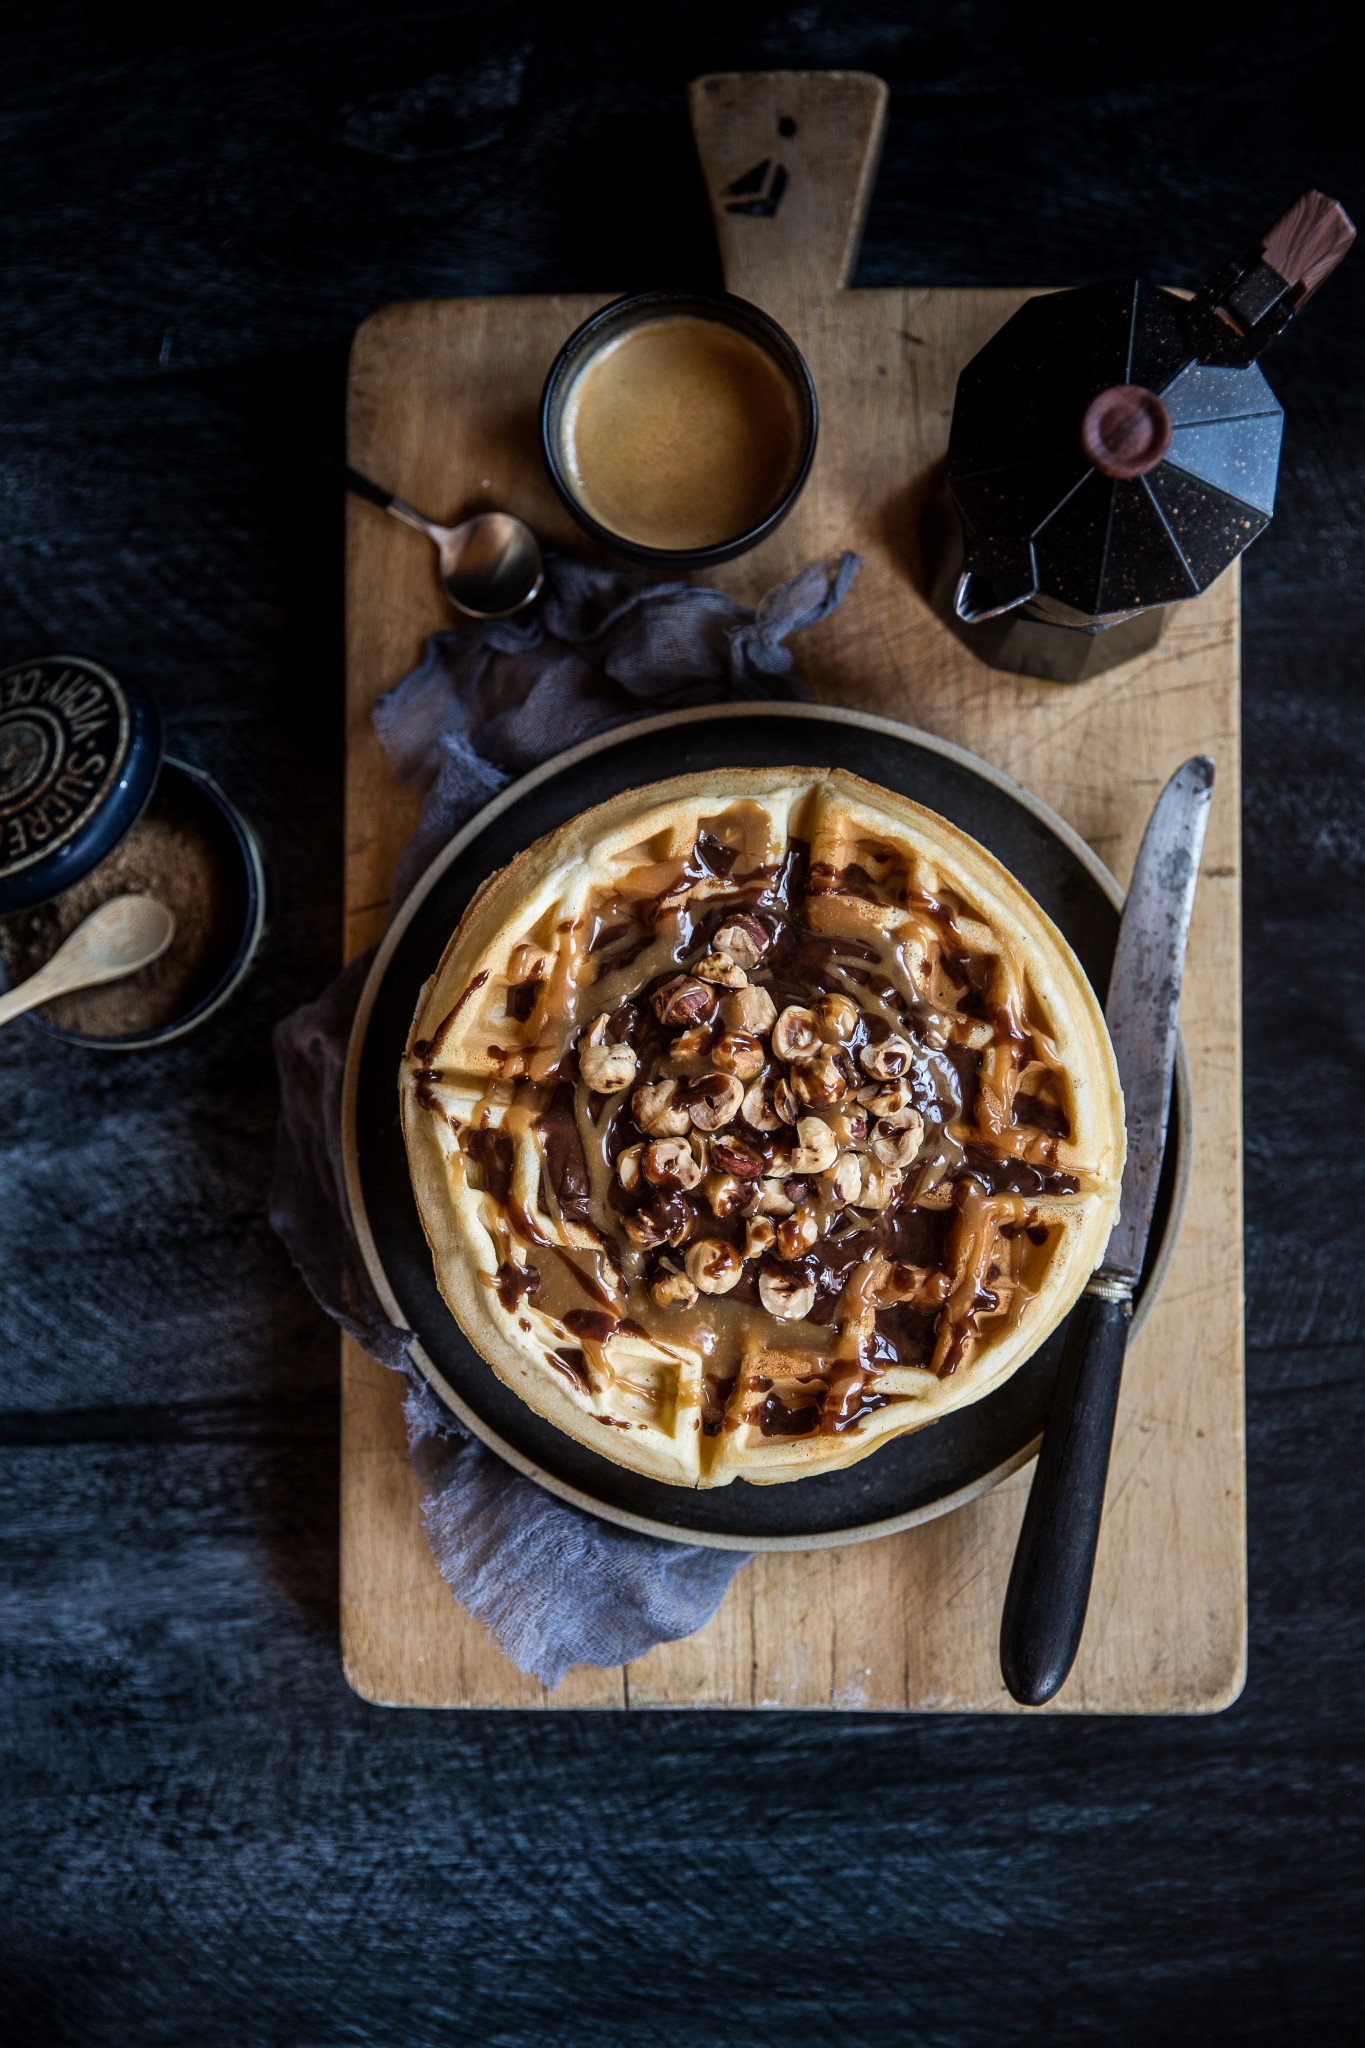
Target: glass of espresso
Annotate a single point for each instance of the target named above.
(679, 426)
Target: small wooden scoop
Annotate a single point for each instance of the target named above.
(124, 934)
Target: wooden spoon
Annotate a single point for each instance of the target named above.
(124, 934)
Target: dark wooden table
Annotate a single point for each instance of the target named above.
(204, 1836)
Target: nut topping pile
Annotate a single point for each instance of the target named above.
(749, 1132)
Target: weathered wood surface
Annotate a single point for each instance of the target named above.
(447, 388)
(204, 1835)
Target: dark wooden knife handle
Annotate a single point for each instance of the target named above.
(1049, 1589)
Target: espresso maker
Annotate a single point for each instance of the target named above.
(1113, 449)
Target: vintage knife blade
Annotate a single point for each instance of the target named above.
(1049, 1586)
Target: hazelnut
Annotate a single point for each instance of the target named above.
(797, 1233)
(759, 1236)
(670, 1163)
(713, 1101)
(607, 1069)
(845, 1178)
(628, 1167)
(720, 969)
(773, 1200)
(820, 1083)
(849, 1123)
(712, 1265)
(657, 1111)
(734, 1155)
(897, 1144)
(726, 1195)
(786, 1103)
(665, 1219)
(789, 1296)
(816, 1149)
(684, 1000)
(691, 1045)
(892, 1103)
(739, 1053)
(887, 1061)
(744, 939)
(757, 1110)
(976, 1037)
(671, 1289)
(795, 1035)
(881, 1185)
(836, 1018)
(933, 1030)
(748, 1009)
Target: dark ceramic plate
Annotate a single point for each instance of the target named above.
(910, 1479)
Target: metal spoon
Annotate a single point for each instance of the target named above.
(491, 565)
(124, 934)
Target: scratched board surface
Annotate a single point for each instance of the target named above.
(204, 1833)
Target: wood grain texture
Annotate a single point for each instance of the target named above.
(910, 1621)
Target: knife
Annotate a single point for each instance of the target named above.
(1049, 1586)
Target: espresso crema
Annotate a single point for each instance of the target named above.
(681, 433)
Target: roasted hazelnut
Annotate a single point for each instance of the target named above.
(789, 1296)
(786, 1102)
(713, 1265)
(727, 1196)
(820, 1083)
(849, 1123)
(684, 1000)
(795, 1035)
(881, 1185)
(744, 939)
(760, 1235)
(664, 1219)
(738, 1053)
(658, 1112)
(816, 1148)
(897, 1144)
(607, 1069)
(670, 1163)
(976, 1037)
(748, 1009)
(893, 1102)
(887, 1061)
(845, 1178)
(628, 1167)
(690, 1046)
(797, 1233)
(734, 1155)
(757, 1109)
(671, 1289)
(712, 1101)
(836, 1017)
(721, 970)
(773, 1200)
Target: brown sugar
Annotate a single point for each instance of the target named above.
(182, 852)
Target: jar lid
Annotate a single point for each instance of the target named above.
(79, 757)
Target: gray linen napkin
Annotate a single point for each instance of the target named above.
(554, 1585)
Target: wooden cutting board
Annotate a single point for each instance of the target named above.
(443, 408)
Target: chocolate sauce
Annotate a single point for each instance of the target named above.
(513, 1283)
(564, 1155)
(574, 1366)
(1040, 1115)
(522, 997)
(594, 1324)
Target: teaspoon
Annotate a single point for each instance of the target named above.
(122, 935)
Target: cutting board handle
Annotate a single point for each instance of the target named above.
(789, 159)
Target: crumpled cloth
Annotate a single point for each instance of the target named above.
(555, 1586)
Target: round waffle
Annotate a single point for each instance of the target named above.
(756, 1118)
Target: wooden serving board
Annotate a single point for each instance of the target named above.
(443, 408)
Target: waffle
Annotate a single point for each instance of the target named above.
(755, 1119)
